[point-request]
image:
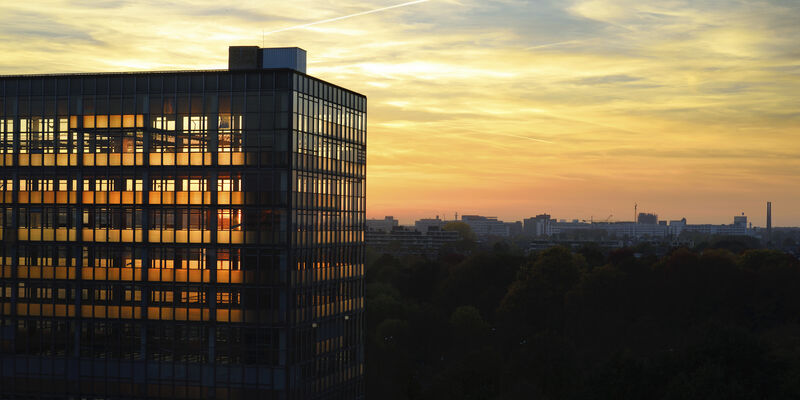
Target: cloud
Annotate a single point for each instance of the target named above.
(26, 25)
(606, 80)
(639, 98)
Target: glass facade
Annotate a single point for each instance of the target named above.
(181, 235)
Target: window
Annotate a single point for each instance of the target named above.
(103, 185)
(164, 123)
(230, 134)
(163, 185)
(228, 298)
(194, 185)
(229, 220)
(46, 185)
(161, 296)
(229, 184)
(193, 297)
(132, 185)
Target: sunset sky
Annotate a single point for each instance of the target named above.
(505, 108)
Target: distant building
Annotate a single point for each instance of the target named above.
(647, 218)
(738, 228)
(387, 224)
(632, 230)
(484, 227)
(425, 224)
(562, 226)
(676, 226)
(538, 226)
(406, 241)
(514, 228)
(540, 245)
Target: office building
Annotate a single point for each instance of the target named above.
(486, 227)
(541, 225)
(182, 235)
(387, 224)
(647, 218)
(429, 224)
(403, 241)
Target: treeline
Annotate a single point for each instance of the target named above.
(584, 325)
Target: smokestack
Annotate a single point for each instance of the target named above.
(769, 221)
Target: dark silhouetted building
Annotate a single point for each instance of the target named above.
(183, 234)
(387, 224)
(647, 218)
(538, 226)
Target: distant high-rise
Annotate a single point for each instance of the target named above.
(182, 235)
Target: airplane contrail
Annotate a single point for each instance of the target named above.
(346, 16)
(542, 46)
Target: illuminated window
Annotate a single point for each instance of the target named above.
(6, 136)
(103, 185)
(230, 134)
(44, 293)
(228, 298)
(133, 185)
(102, 294)
(164, 123)
(159, 296)
(46, 185)
(229, 220)
(163, 185)
(194, 185)
(229, 184)
(133, 295)
(228, 259)
(193, 297)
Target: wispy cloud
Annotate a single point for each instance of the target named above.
(343, 17)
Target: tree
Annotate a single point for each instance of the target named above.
(468, 238)
(536, 297)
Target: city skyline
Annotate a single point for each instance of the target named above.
(503, 108)
(453, 216)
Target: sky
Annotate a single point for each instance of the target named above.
(507, 108)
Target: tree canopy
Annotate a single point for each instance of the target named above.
(497, 324)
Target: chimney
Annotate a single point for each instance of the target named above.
(769, 221)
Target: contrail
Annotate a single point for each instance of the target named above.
(524, 137)
(346, 16)
(542, 46)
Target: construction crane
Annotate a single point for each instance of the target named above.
(608, 219)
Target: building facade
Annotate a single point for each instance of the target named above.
(387, 224)
(486, 227)
(182, 234)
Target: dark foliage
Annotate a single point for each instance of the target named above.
(721, 323)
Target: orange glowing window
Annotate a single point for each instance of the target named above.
(229, 184)
(193, 297)
(228, 298)
(229, 220)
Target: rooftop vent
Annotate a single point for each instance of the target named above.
(253, 57)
